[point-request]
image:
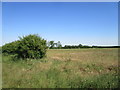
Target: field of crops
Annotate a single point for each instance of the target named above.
(70, 68)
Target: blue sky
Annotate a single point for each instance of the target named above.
(87, 23)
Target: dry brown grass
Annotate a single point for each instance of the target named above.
(60, 67)
(102, 56)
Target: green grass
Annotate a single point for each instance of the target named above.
(79, 68)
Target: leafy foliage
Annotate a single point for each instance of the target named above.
(10, 48)
(51, 44)
(31, 46)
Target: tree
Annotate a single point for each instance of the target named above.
(51, 44)
(31, 46)
(59, 45)
(80, 45)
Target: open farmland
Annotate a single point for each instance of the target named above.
(63, 68)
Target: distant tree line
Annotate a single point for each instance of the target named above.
(58, 45)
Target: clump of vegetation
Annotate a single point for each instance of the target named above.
(0, 50)
(53, 45)
(31, 46)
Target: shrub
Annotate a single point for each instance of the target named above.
(10, 48)
(31, 46)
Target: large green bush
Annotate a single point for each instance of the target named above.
(31, 46)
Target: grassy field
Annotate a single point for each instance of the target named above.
(70, 68)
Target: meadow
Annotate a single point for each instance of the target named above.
(63, 68)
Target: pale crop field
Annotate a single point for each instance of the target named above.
(63, 68)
